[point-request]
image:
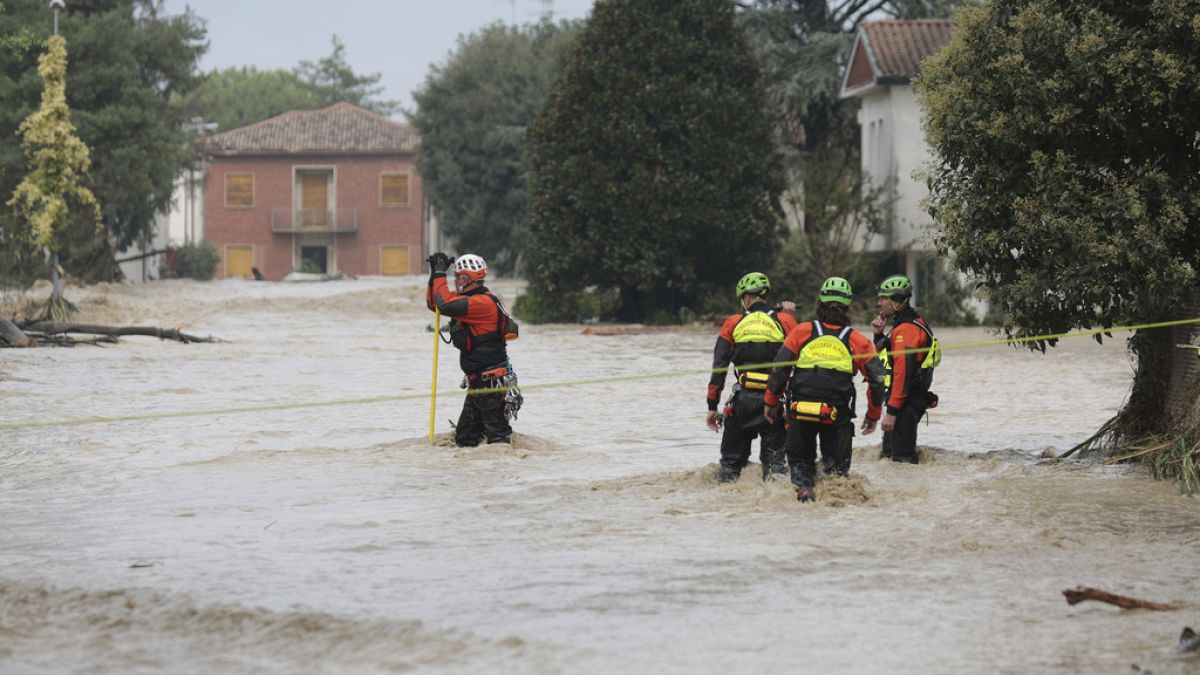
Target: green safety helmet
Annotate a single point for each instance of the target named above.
(836, 289)
(897, 284)
(754, 283)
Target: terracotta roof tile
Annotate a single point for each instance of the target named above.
(898, 46)
(340, 128)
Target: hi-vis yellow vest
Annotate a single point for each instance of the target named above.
(929, 359)
(758, 327)
(826, 350)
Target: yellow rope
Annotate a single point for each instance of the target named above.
(8, 426)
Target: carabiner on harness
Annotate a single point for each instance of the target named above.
(513, 400)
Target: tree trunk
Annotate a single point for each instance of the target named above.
(11, 334)
(53, 327)
(1145, 413)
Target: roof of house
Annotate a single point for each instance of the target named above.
(891, 51)
(342, 128)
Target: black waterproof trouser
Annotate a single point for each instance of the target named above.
(837, 444)
(745, 423)
(901, 442)
(482, 415)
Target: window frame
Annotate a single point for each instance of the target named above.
(407, 192)
(253, 189)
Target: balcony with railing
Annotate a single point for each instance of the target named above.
(314, 221)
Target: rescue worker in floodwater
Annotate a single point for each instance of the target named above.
(480, 327)
(750, 337)
(818, 361)
(909, 352)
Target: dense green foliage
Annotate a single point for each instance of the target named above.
(332, 80)
(235, 97)
(1067, 177)
(804, 46)
(472, 113)
(197, 261)
(654, 172)
(127, 62)
(238, 96)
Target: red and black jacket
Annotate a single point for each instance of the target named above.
(727, 351)
(861, 350)
(911, 332)
(478, 324)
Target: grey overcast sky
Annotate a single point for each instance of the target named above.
(399, 39)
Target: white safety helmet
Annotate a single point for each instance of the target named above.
(471, 265)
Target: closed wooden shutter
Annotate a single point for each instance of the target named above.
(239, 190)
(238, 261)
(393, 189)
(314, 199)
(393, 260)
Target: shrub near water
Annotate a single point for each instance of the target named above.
(197, 261)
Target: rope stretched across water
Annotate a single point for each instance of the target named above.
(371, 400)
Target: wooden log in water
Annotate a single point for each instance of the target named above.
(1081, 593)
(55, 328)
(11, 334)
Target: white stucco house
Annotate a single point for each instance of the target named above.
(886, 56)
(183, 223)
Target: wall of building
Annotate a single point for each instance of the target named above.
(911, 153)
(893, 151)
(356, 185)
(181, 224)
(875, 124)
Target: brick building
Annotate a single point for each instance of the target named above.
(330, 190)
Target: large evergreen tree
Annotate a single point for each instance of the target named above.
(127, 62)
(654, 173)
(1067, 175)
(332, 80)
(472, 113)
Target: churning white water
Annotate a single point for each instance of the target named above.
(336, 538)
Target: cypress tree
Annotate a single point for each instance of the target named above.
(654, 174)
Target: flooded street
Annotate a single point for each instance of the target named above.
(335, 538)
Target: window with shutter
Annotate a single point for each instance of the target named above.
(393, 190)
(239, 190)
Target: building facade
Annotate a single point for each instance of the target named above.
(886, 56)
(324, 191)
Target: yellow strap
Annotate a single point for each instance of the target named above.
(437, 342)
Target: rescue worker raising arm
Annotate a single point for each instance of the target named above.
(747, 338)
(480, 327)
(910, 353)
(817, 365)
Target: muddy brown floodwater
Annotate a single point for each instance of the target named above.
(336, 538)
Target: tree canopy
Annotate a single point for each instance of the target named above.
(1067, 174)
(332, 80)
(238, 96)
(654, 172)
(472, 113)
(127, 62)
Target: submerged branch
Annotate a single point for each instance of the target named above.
(1081, 593)
(1095, 440)
(38, 331)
